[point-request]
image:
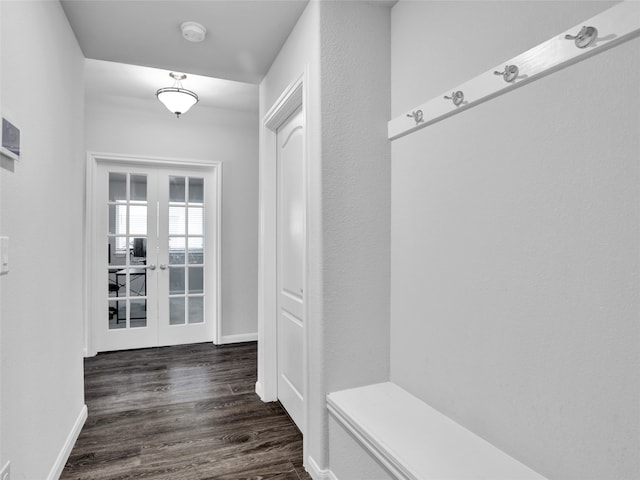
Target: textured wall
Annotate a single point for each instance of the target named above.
(42, 212)
(345, 48)
(356, 169)
(300, 53)
(356, 191)
(515, 230)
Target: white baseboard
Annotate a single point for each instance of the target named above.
(317, 473)
(63, 456)
(260, 390)
(242, 337)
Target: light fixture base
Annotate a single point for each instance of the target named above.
(178, 77)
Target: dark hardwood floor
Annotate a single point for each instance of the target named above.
(182, 413)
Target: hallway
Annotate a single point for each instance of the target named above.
(187, 412)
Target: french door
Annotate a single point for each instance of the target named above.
(155, 268)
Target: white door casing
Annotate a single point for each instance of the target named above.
(290, 265)
(202, 302)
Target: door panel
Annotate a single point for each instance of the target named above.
(157, 225)
(186, 272)
(127, 213)
(291, 251)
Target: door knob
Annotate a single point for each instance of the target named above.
(151, 267)
(163, 266)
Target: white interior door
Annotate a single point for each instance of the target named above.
(186, 252)
(291, 254)
(155, 269)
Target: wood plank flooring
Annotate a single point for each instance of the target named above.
(182, 413)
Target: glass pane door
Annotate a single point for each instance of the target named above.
(186, 243)
(186, 250)
(127, 251)
(155, 280)
(126, 289)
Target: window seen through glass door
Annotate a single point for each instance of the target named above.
(186, 250)
(127, 251)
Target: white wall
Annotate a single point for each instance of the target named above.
(229, 136)
(300, 53)
(356, 206)
(515, 230)
(42, 202)
(345, 46)
(356, 201)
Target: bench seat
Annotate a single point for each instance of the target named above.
(413, 441)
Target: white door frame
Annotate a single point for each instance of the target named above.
(293, 97)
(91, 243)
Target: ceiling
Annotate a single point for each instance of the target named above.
(133, 86)
(243, 36)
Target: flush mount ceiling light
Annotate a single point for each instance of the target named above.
(177, 99)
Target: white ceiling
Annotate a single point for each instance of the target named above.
(132, 45)
(243, 36)
(135, 86)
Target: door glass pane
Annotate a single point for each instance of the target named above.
(177, 189)
(196, 280)
(196, 250)
(176, 280)
(138, 251)
(117, 285)
(119, 218)
(196, 310)
(195, 221)
(138, 219)
(176, 311)
(177, 220)
(177, 250)
(138, 313)
(137, 282)
(117, 187)
(139, 188)
(196, 190)
(117, 314)
(113, 219)
(117, 251)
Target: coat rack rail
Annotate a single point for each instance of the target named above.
(597, 34)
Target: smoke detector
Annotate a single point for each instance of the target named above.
(193, 31)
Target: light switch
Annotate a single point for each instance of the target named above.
(4, 255)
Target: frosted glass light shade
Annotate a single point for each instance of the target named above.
(177, 100)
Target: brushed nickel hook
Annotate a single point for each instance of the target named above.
(585, 37)
(510, 73)
(416, 115)
(457, 97)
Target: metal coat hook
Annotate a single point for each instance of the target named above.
(457, 97)
(585, 37)
(417, 116)
(510, 73)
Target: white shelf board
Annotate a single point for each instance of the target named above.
(416, 442)
(615, 25)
